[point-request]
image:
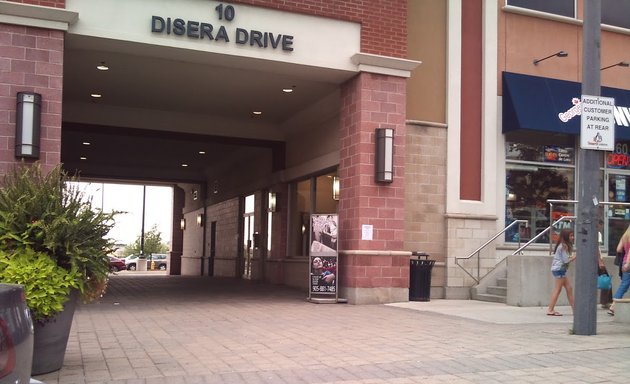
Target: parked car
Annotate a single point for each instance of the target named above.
(16, 335)
(116, 264)
(160, 260)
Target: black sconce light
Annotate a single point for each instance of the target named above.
(335, 188)
(182, 223)
(384, 155)
(28, 124)
(558, 54)
(273, 202)
(619, 64)
(200, 219)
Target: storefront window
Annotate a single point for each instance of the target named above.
(539, 167)
(619, 158)
(618, 190)
(556, 7)
(313, 195)
(615, 13)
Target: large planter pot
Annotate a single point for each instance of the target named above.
(51, 339)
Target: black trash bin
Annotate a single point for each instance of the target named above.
(420, 277)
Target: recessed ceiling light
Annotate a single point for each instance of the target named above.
(96, 95)
(102, 66)
(288, 89)
(83, 158)
(202, 152)
(87, 143)
(257, 113)
(184, 165)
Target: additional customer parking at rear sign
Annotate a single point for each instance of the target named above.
(598, 123)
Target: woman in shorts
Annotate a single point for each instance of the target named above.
(562, 257)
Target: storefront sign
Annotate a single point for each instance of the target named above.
(323, 255)
(219, 33)
(598, 123)
(619, 158)
(555, 154)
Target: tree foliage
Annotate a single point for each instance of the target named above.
(152, 243)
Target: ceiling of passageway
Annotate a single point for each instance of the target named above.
(161, 106)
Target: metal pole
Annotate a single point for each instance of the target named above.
(144, 196)
(551, 229)
(589, 178)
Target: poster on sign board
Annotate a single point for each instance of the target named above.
(323, 255)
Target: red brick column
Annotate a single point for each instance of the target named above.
(374, 270)
(44, 3)
(31, 61)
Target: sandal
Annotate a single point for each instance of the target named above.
(554, 314)
(611, 312)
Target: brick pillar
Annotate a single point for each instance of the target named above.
(177, 234)
(31, 61)
(377, 270)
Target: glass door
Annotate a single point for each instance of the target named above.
(248, 236)
(617, 216)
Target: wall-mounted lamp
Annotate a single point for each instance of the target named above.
(28, 124)
(273, 201)
(182, 223)
(384, 155)
(335, 188)
(619, 64)
(558, 54)
(200, 219)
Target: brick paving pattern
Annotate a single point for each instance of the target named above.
(152, 329)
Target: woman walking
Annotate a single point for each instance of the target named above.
(624, 268)
(562, 257)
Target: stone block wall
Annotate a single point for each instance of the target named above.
(425, 195)
(465, 234)
(226, 214)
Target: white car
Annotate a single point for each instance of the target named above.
(160, 260)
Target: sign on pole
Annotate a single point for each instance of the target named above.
(598, 123)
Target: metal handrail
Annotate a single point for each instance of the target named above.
(563, 218)
(478, 250)
(551, 202)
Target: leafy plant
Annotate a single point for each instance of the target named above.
(46, 285)
(47, 213)
(152, 243)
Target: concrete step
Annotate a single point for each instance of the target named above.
(496, 290)
(502, 282)
(491, 298)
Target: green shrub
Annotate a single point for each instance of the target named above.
(46, 213)
(46, 285)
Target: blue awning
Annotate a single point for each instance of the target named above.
(543, 104)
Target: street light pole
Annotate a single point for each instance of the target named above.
(589, 179)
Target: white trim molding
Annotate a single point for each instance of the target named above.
(487, 204)
(36, 16)
(384, 65)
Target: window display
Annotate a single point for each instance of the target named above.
(313, 195)
(538, 168)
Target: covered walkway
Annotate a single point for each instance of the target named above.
(174, 329)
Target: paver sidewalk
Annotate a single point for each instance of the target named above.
(172, 329)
